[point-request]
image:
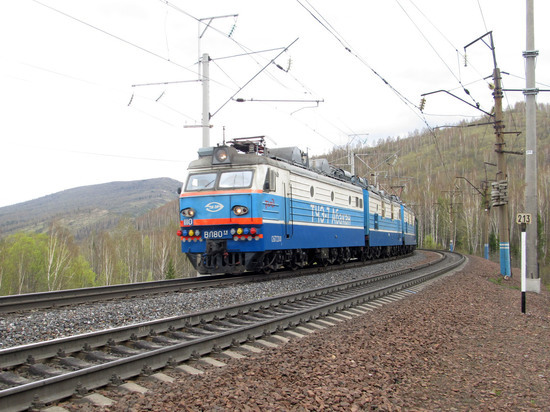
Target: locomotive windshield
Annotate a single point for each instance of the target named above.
(201, 182)
(225, 180)
(239, 178)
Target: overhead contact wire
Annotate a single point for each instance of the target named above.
(407, 102)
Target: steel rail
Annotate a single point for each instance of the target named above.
(14, 303)
(18, 355)
(58, 298)
(240, 323)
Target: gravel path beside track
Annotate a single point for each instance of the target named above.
(460, 344)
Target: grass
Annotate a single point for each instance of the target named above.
(499, 280)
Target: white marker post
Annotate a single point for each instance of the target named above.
(523, 265)
(523, 219)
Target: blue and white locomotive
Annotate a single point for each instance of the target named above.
(245, 207)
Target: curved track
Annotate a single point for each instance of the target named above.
(49, 371)
(19, 303)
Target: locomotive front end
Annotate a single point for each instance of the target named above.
(220, 225)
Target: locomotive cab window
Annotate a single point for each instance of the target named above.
(226, 180)
(270, 183)
(201, 181)
(235, 179)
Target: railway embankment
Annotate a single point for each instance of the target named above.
(461, 343)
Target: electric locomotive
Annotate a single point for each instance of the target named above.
(244, 207)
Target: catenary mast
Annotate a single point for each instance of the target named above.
(531, 202)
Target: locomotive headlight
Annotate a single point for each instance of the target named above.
(188, 212)
(240, 210)
(221, 155)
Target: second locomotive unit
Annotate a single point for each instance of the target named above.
(245, 207)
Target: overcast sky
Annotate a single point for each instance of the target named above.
(75, 112)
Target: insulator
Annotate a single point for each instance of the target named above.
(422, 104)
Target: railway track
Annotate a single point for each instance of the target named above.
(29, 301)
(49, 371)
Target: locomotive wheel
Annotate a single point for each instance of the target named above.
(333, 255)
(346, 254)
(369, 253)
(323, 262)
(338, 258)
(298, 259)
(268, 263)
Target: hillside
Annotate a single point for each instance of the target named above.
(423, 169)
(125, 231)
(95, 207)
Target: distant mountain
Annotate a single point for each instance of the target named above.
(87, 208)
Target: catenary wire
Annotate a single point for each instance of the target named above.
(482, 16)
(113, 35)
(433, 48)
(407, 102)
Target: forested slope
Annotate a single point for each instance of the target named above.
(87, 208)
(90, 236)
(423, 167)
(86, 237)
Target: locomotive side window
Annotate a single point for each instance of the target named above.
(201, 181)
(235, 179)
(270, 183)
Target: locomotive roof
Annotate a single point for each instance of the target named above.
(285, 158)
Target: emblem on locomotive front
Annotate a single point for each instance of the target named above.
(214, 207)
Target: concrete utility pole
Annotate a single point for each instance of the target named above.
(500, 187)
(502, 175)
(452, 226)
(205, 100)
(531, 201)
(487, 207)
(486, 214)
(351, 161)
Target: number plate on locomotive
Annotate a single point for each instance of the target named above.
(217, 234)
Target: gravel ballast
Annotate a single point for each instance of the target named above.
(45, 324)
(460, 344)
